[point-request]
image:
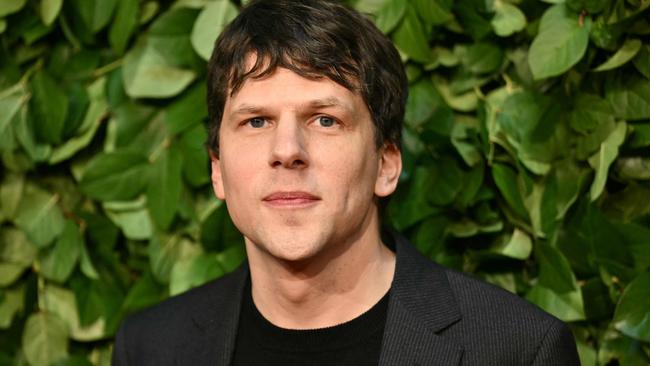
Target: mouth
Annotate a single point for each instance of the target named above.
(291, 199)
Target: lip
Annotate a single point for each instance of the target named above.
(290, 199)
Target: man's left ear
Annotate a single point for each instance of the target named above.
(217, 180)
(390, 168)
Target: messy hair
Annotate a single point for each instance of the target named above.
(315, 39)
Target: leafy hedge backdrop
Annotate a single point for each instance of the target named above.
(526, 153)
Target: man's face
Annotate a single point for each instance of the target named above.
(298, 167)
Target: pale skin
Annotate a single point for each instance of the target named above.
(301, 174)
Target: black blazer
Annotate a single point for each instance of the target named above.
(436, 316)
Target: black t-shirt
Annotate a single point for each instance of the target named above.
(357, 342)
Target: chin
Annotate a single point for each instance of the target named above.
(291, 247)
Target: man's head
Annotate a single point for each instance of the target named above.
(306, 102)
(315, 39)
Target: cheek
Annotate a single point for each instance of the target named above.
(239, 169)
(352, 167)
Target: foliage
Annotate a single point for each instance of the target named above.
(525, 151)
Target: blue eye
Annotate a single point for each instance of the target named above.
(325, 121)
(257, 122)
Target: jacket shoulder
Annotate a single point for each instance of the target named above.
(494, 319)
(156, 335)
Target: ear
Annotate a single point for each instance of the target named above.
(390, 168)
(217, 178)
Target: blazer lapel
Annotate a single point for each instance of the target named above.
(214, 324)
(421, 305)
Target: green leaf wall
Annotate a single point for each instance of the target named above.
(526, 155)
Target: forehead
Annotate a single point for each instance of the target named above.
(286, 86)
(256, 71)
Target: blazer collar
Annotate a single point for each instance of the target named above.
(421, 305)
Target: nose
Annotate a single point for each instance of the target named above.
(288, 146)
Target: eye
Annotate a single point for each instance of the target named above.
(326, 121)
(256, 122)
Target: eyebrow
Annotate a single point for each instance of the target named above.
(327, 102)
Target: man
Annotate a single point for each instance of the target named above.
(306, 100)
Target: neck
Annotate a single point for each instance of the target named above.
(331, 288)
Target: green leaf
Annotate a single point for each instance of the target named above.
(409, 38)
(39, 216)
(165, 251)
(633, 168)
(187, 110)
(615, 346)
(627, 52)
(632, 316)
(11, 99)
(45, 339)
(11, 303)
(482, 57)
(165, 186)
(89, 126)
(589, 111)
(132, 217)
(506, 180)
(590, 6)
(212, 20)
(148, 74)
(465, 102)
(16, 255)
(145, 292)
(390, 15)
(434, 12)
(463, 136)
(97, 301)
(196, 170)
(11, 192)
(604, 158)
(567, 306)
(50, 106)
(11, 6)
(446, 182)
(642, 61)
(423, 100)
(218, 231)
(95, 13)
(61, 302)
(49, 10)
(126, 21)
(120, 175)
(231, 258)
(58, 263)
(10, 272)
(25, 135)
(629, 95)
(560, 44)
(555, 271)
(569, 178)
(508, 19)
(518, 246)
(192, 272)
(471, 16)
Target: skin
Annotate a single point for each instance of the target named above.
(300, 174)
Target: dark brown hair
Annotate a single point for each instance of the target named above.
(315, 39)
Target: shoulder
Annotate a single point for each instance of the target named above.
(491, 325)
(162, 331)
(214, 294)
(484, 301)
(494, 319)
